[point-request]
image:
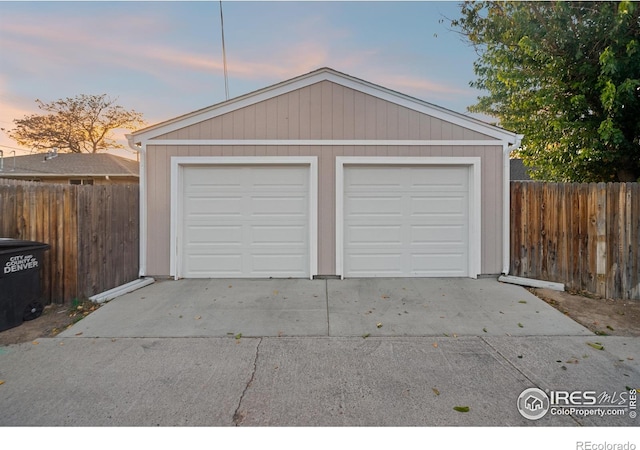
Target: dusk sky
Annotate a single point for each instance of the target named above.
(164, 59)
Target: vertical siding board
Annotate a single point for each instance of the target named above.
(250, 121)
(413, 125)
(403, 123)
(393, 124)
(359, 113)
(424, 127)
(304, 113)
(370, 117)
(206, 130)
(315, 111)
(349, 115)
(326, 210)
(293, 115)
(261, 120)
(272, 118)
(326, 111)
(282, 117)
(381, 119)
(337, 112)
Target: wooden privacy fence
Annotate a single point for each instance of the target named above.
(92, 230)
(586, 236)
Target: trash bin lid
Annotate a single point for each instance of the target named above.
(7, 244)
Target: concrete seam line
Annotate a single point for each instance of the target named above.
(488, 344)
(533, 384)
(238, 417)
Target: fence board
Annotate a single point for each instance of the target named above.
(586, 236)
(84, 225)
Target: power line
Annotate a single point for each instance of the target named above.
(15, 148)
(224, 55)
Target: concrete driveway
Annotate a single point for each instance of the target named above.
(317, 353)
(336, 308)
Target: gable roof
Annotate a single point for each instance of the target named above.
(70, 164)
(323, 74)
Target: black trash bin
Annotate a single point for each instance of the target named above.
(20, 283)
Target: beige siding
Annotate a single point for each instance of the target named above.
(159, 178)
(325, 110)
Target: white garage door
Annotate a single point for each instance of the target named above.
(245, 221)
(406, 221)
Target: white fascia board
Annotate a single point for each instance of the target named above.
(316, 77)
(178, 162)
(326, 142)
(475, 199)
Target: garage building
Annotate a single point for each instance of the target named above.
(324, 175)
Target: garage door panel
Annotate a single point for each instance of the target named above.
(438, 234)
(438, 178)
(205, 178)
(440, 264)
(292, 236)
(277, 177)
(214, 265)
(215, 235)
(203, 207)
(363, 263)
(294, 206)
(436, 206)
(279, 264)
(373, 205)
(406, 221)
(358, 235)
(370, 177)
(245, 221)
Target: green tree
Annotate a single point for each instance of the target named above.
(83, 124)
(567, 76)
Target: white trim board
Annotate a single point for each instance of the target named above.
(475, 219)
(177, 164)
(326, 142)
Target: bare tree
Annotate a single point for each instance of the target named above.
(83, 124)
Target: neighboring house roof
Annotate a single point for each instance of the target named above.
(69, 164)
(519, 172)
(317, 76)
